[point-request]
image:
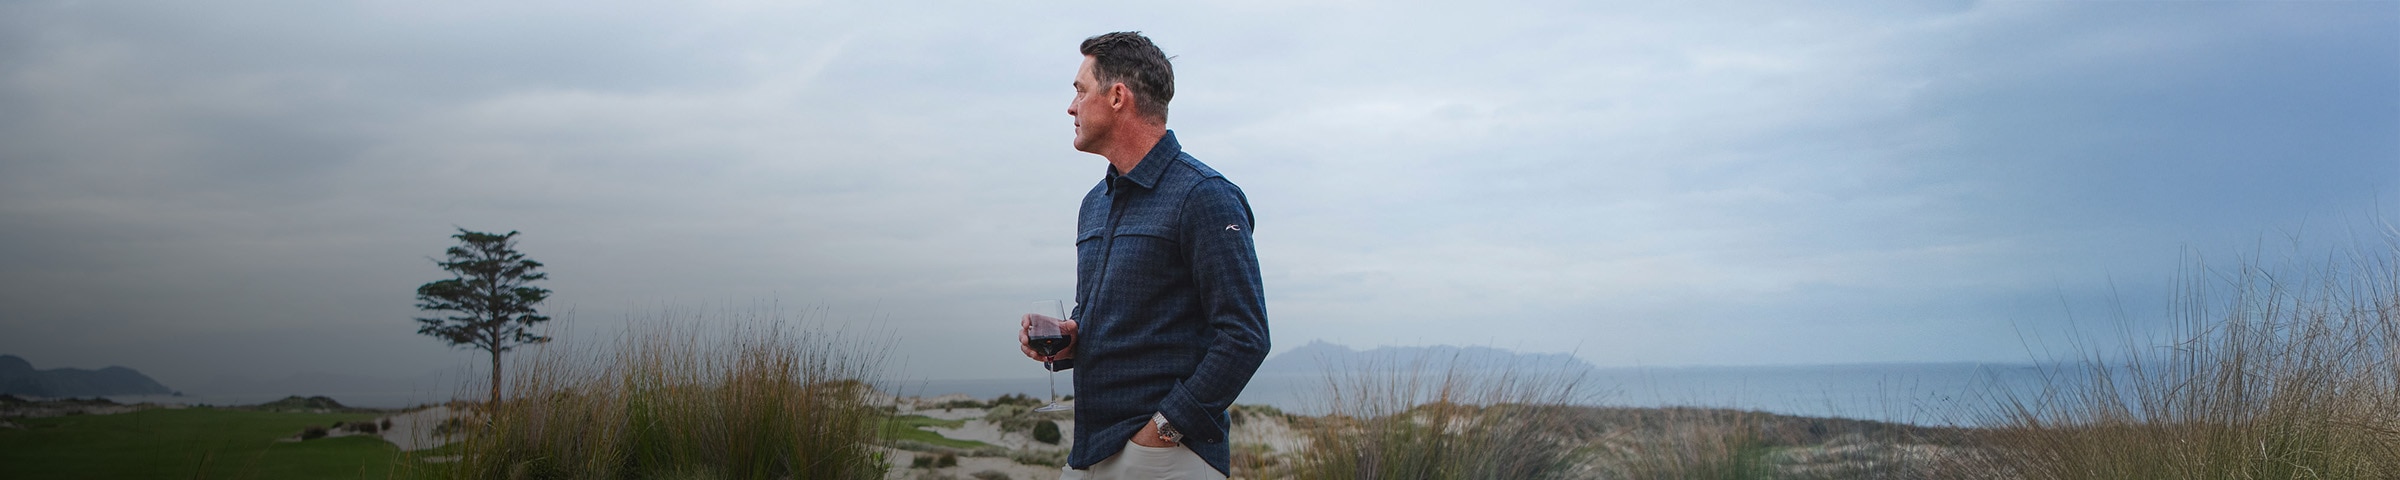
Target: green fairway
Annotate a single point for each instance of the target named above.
(191, 443)
(910, 427)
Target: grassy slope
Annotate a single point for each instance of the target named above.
(909, 427)
(190, 443)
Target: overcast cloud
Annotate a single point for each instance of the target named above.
(201, 188)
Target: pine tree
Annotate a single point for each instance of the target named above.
(491, 294)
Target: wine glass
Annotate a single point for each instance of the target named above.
(1046, 339)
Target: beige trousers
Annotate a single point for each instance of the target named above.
(1137, 462)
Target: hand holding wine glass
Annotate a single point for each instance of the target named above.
(1047, 336)
(1025, 340)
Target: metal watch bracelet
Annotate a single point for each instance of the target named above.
(1166, 430)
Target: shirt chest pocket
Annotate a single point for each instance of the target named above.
(1087, 260)
(1146, 254)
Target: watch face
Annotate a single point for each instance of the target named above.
(1168, 431)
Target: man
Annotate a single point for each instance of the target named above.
(1169, 321)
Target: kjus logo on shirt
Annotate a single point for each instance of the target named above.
(1236, 228)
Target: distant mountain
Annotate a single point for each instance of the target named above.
(17, 377)
(298, 403)
(1319, 357)
(355, 389)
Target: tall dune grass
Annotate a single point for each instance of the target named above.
(1688, 443)
(764, 400)
(2270, 373)
(1459, 421)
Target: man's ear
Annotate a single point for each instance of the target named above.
(1119, 96)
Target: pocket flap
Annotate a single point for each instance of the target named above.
(1160, 231)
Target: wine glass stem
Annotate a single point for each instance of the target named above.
(1053, 382)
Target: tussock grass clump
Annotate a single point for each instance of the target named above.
(1715, 443)
(759, 401)
(1688, 443)
(1462, 421)
(2271, 373)
(1243, 413)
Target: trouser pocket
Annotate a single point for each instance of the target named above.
(1176, 462)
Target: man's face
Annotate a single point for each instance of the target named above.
(1090, 109)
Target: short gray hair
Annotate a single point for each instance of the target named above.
(1130, 58)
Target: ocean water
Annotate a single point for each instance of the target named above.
(350, 399)
(1921, 394)
(1914, 393)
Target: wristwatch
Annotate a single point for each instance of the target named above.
(1166, 431)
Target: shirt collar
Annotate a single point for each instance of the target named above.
(1153, 164)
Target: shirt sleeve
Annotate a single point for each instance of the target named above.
(1216, 221)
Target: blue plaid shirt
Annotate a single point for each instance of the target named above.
(1169, 309)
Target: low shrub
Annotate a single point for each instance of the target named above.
(312, 433)
(946, 406)
(1046, 431)
(450, 426)
(1016, 399)
(1020, 418)
(1040, 458)
(991, 475)
(1243, 413)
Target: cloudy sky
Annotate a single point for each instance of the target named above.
(201, 188)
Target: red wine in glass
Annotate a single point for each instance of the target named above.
(1046, 339)
(1048, 345)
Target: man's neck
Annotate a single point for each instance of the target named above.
(1138, 142)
